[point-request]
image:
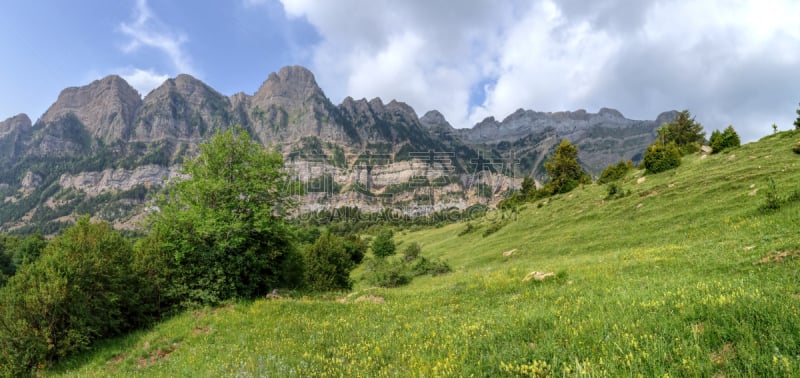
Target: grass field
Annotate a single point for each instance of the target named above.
(682, 277)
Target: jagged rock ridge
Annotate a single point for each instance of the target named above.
(104, 137)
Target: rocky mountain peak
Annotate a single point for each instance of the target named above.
(434, 119)
(16, 122)
(666, 117)
(106, 107)
(290, 85)
(610, 113)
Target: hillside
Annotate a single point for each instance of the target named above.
(101, 148)
(682, 277)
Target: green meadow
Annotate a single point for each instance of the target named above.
(685, 275)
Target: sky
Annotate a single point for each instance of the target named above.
(729, 62)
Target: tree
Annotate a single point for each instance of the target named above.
(720, 141)
(220, 232)
(564, 170)
(660, 158)
(80, 289)
(797, 121)
(383, 245)
(528, 186)
(684, 131)
(328, 264)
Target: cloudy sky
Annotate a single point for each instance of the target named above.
(727, 61)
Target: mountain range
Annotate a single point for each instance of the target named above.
(101, 148)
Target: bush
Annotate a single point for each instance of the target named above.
(424, 266)
(614, 172)
(328, 264)
(721, 141)
(616, 191)
(796, 148)
(383, 245)
(412, 251)
(386, 273)
(494, 227)
(356, 248)
(772, 200)
(80, 289)
(660, 158)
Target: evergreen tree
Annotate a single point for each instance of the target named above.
(564, 170)
(797, 121)
(684, 131)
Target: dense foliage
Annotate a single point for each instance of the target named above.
(615, 172)
(684, 131)
(724, 140)
(82, 287)
(383, 244)
(330, 259)
(564, 170)
(220, 232)
(660, 158)
(797, 121)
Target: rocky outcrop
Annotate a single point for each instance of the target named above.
(106, 107)
(94, 183)
(14, 124)
(183, 109)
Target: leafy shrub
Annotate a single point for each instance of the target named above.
(383, 245)
(424, 266)
(616, 191)
(328, 264)
(660, 158)
(614, 172)
(80, 289)
(412, 251)
(796, 148)
(724, 140)
(386, 273)
(494, 227)
(469, 227)
(772, 200)
(356, 248)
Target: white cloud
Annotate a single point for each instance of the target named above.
(147, 31)
(143, 80)
(728, 62)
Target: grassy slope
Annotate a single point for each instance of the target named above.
(661, 281)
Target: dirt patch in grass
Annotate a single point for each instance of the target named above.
(723, 355)
(370, 298)
(201, 329)
(156, 355)
(778, 256)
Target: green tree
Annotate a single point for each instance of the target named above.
(797, 121)
(564, 170)
(383, 244)
(328, 264)
(80, 289)
(220, 232)
(684, 131)
(720, 141)
(660, 158)
(528, 186)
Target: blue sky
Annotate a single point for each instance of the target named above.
(728, 62)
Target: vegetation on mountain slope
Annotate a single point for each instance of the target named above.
(684, 277)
